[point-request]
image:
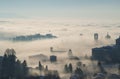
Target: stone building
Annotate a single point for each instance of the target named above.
(107, 53)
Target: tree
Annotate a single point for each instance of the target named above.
(101, 68)
(18, 70)
(24, 68)
(8, 64)
(119, 69)
(70, 68)
(79, 72)
(46, 68)
(66, 68)
(99, 63)
(11, 64)
(4, 67)
(12, 69)
(40, 66)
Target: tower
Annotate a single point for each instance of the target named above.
(51, 49)
(70, 53)
(95, 36)
(107, 36)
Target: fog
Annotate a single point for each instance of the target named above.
(68, 33)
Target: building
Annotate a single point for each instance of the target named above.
(53, 58)
(95, 36)
(70, 53)
(57, 51)
(71, 56)
(107, 36)
(107, 53)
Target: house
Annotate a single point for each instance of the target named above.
(53, 58)
(107, 53)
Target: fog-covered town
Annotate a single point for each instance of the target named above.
(64, 57)
(59, 39)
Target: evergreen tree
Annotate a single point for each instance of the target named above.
(119, 69)
(11, 64)
(40, 66)
(66, 68)
(79, 71)
(18, 70)
(46, 68)
(25, 68)
(12, 69)
(70, 68)
(99, 63)
(101, 68)
(4, 66)
(8, 65)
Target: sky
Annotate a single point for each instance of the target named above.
(78, 9)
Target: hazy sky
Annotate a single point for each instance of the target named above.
(87, 9)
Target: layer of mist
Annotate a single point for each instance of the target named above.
(75, 35)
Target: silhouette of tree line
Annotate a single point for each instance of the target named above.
(48, 74)
(68, 68)
(11, 67)
(75, 74)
